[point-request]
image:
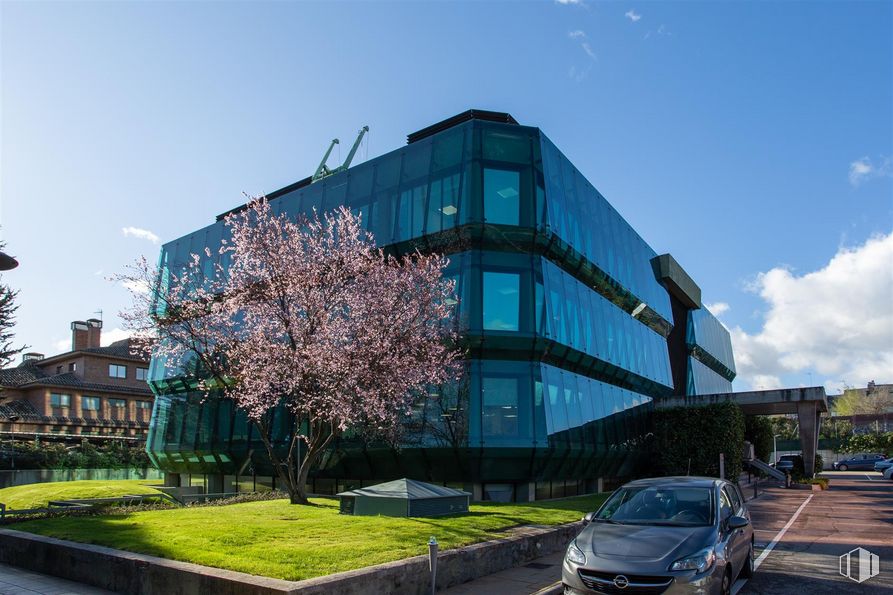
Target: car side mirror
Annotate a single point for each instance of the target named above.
(738, 522)
(590, 516)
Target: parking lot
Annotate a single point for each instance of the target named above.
(856, 511)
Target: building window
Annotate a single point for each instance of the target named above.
(118, 403)
(90, 403)
(502, 293)
(58, 369)
(502, 196)
(73, 367)
(500, 407)
(116, 371)
(141, 373)
(60, 400)
(144, 404)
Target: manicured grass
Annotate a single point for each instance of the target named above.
(276, 539)
(36, 495)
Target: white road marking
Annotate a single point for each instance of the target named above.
(777, 538)
(869, 477)
(738, 585)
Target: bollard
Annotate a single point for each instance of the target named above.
(432, 562)
(787, 479)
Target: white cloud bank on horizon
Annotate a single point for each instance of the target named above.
(143, 234)
(836, 321)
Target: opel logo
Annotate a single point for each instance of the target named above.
(621, 582)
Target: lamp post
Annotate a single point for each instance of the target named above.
(775, 448)
(12, 440)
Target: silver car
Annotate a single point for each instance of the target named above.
(663, 535)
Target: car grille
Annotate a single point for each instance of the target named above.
(604, 582)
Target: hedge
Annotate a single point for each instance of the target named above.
(758, 430)
(688, 440)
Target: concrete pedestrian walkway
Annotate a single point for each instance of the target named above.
(530, 578)
(15, 581)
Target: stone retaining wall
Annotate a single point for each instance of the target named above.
(131, 573)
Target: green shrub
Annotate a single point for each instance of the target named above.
(874, 442)
(688, 440)
(55, 455)
(758, 431)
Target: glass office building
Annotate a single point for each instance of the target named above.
(573, 326)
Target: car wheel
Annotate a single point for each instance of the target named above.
(747, 569)
(842, 468)
(726, 588)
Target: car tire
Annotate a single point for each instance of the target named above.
(842, 468)
(726, 587)
(747, 569)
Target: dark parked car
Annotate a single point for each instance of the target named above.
(786, 462)
(859, 462)
(664, 535)
(883, 464)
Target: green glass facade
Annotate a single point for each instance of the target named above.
(565, 322)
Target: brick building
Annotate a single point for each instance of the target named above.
(90, 390)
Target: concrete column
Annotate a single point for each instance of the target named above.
(214, 483)
(600, 486)
(477, 492)
(808, 417)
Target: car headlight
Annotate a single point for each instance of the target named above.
(701, 561)
(575, 554)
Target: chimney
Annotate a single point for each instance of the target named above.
(79, 335)
(94, 332)
(32, 356)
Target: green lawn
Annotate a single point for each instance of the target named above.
(276, 539)
(36, 495)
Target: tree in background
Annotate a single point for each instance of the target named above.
(863, 402)
(308, 315)
(8, 307)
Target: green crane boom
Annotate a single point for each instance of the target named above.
(323, 170)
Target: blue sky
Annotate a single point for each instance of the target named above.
(752, 140)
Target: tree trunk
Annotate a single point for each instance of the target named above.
(296, 483)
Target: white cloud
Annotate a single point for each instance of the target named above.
(143, 234)
(110, 336)
(570, 2)
(61, 345)
(662, 30)
(581, 37)
(717, 308)
(588, 49)
(836, 321)
(136, 286)
(862, 170)
(632, 15)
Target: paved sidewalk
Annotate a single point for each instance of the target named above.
(15, 581)
(529, 578)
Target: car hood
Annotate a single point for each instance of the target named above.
(643, 543)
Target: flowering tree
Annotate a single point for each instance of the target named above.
(308, 315)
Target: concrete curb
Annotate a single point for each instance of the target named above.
(127, 572)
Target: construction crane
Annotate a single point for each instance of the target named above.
(323, 170)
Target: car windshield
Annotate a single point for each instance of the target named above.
(682, 506)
